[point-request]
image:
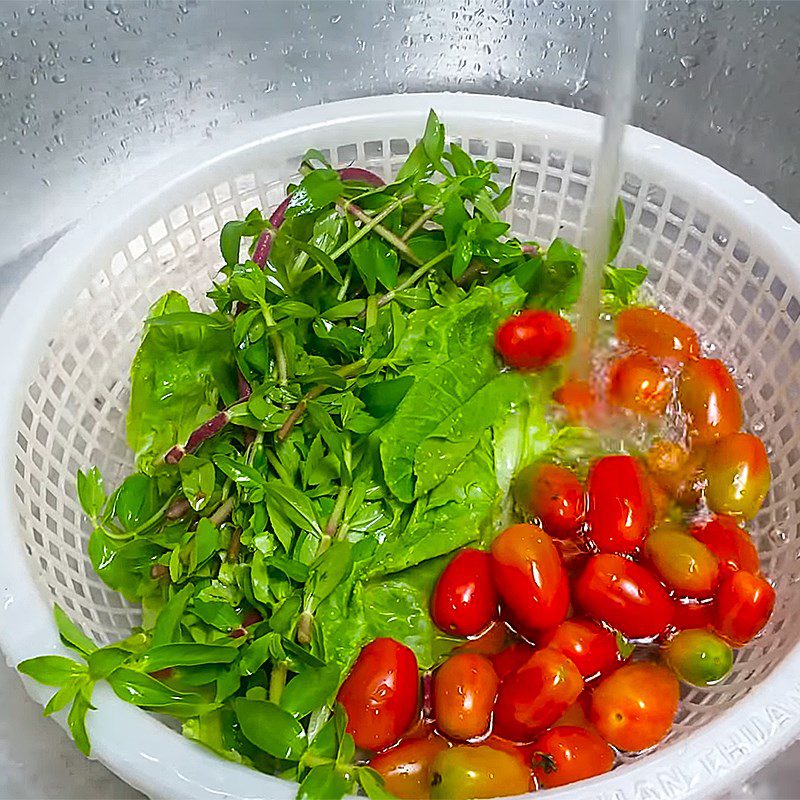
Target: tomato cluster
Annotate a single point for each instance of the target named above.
(550, 682)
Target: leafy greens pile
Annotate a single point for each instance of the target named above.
(309, 454)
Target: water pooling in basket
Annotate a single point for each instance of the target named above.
(625, 33)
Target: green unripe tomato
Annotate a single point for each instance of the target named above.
(464, 772)
(699, 657)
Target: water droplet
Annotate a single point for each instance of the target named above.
(115, 56)
(87, 60)
(59, 78)
(88, 5)
(688, 62)
(406, 41)
(335, 18)
(253, 56)
(142, 100)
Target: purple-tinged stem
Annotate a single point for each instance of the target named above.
(178, 509)
(245, 389)
(199, 435)
(362, 175)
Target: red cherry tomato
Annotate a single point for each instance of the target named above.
(464, 690)
(634, 707)
(640, 384)
(743, 607)
(691, 614)
(738, 475)
(529, 576)
(676, 470)
(512, 658)
(554, 495)
(464, 600)
(710, 399)
(625, 595)
(533, 340)
(731, 544)
(405, 769)
(381, 693)
(620, 507)
(536, 695)
(578, 400)
(566, 754)
(592, 648)
(657, 333)
(681, 561)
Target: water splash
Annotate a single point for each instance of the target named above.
(623, 38)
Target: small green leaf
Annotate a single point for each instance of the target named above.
(373, 784)
(257, 652)
(625, 647)
(104, 661)
(217, 614)
(317, 189)
(51, 670)
(324, 783)
(76, 719)
(232, 233)
(329, 570)
(186, 655)
(91, 493)
(63, 697)
(617, 231)
(144, 690)
(433, 138)
(311, 689)
(463, 165)
(169, 618)
(270, 728)
(198, 479)
(350, 308)
(71, 634)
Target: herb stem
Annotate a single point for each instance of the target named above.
(391, 237)
(370, 223)
(222, 513)
(420, 221)
(277, 345)
(234, 546)
(277, 680)
(412, 279)
(347, 371)
(338, 510)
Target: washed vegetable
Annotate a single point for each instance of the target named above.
(387, 535)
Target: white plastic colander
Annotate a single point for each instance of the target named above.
(721, 255)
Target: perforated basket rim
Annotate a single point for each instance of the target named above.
(157, 760)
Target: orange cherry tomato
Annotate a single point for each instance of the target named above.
(624, 595)
(529, 576)
(536, 695)
(690, 614)
(566, 754)
(578, 400)
(620, 510)
(675, 470)
(512, 658)
(576, 714)
(554, 495)
(710, 399)
(743, 607)
(634, 707)
(640, 384)
(657, 333)
(533, 340)
(380, 694)
(731, 544)
(684, 563)
(468, 772)
(405, 768)
(737, 469)
(592, 648)
(464, 690)
(464, 600)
